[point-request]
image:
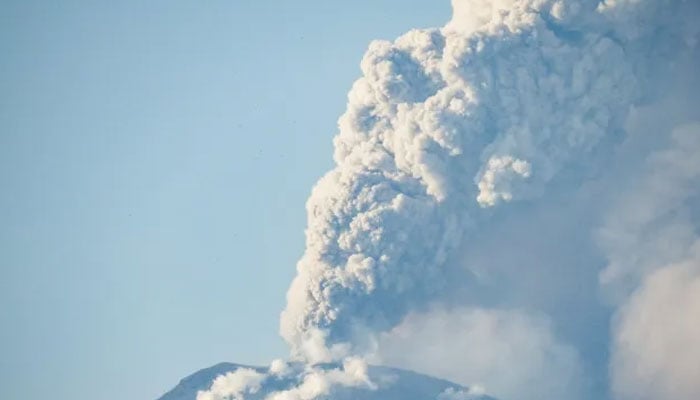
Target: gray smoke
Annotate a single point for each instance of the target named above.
(515, 196)
(447, 124)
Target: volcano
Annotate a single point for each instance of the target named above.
(387, 384)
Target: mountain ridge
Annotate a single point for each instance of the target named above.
(395, 384)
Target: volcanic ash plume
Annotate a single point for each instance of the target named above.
(448, 123)
(519, 187)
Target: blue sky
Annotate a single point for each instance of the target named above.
(155, 158)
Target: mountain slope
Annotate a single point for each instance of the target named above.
(393, 384)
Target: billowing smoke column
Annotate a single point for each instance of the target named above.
(574, 120)
(447, 123)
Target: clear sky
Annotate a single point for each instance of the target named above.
(155, 158)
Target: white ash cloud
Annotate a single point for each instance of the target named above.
(446, 121)
(657, 340)
(654, 270)
(508, 353)
(309, 382)
(234, 385)
(503, 186)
